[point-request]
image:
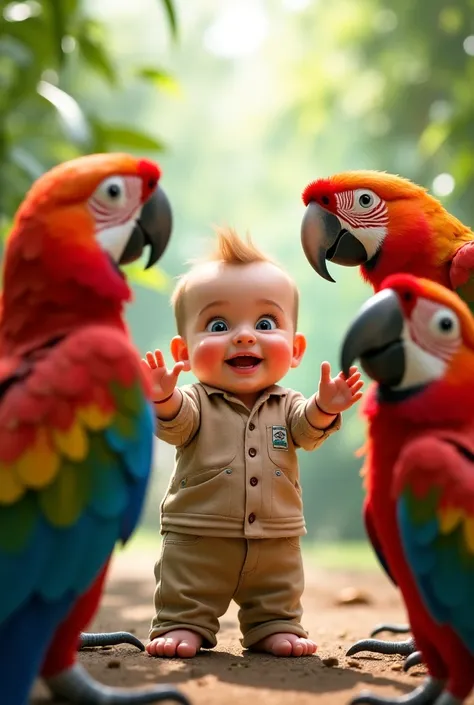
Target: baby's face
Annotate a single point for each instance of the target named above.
(239, 326)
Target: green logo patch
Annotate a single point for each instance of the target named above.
(280, 437)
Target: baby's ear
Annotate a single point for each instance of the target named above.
(179, 351)
(299, 347)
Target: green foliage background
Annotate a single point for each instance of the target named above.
(243, 102)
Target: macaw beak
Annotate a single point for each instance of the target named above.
(323, 238)
(153, 228)
(375, 338)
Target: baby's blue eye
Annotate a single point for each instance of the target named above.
(265, 323)
(217, 325)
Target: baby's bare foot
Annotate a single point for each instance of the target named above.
(177, 642)
(286, 645)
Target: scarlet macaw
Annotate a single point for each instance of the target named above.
(415, 339)
(76, 423)
(386, 224)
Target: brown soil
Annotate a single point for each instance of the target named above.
(228, 675)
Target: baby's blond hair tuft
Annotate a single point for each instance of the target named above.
(231, 249)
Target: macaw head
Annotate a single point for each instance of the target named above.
(380, 222)
(106, 204)
(415, 339)
(79, 223)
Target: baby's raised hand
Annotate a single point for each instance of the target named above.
(163, 380)
(336, 394)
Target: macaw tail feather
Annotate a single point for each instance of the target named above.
(78, 688)
(20, 657)
(87, 640)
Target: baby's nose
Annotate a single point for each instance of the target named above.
(244, 337)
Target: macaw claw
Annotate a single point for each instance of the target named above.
(393, 628)
(425, 694)
(87, 640)
(414, 659)
(78, 688)
(377, 646)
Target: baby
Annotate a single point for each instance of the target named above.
(232, 516)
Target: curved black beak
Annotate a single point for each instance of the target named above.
(153, 228)
(323, 238)
(375, 338)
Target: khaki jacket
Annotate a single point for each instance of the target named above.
(236, 469)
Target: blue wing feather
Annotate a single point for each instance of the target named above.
(139, 464)
(38, 620)
(110, 491)
(421, 559)
(440, 561)
(16, 582)
(64, 570)
(56, 561)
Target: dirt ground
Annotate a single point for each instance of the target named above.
(228, 675)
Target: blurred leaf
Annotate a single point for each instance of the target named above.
(5, 226)
(153, 278)
(58, 28)
(94, 51)
(69, 111)
(433, 137)
(451, 19)
(46, 47)
(171, 14)
(15, 57)
(128, 137)
(27, 162)
(161, 79)
(15, 50)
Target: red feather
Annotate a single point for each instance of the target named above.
(14, 441)
(462, 267)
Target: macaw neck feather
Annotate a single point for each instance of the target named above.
(44, 298)
(27, 326)
(440, 405)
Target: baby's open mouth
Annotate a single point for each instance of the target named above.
(244, 361)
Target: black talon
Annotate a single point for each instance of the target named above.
(414, 659)
(78, 688)
(87, 640)
(447, 698)
(377, 646)
(393, 628)
(425, 694)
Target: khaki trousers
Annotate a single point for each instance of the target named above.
(198, 576)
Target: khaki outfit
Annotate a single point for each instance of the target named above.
(233, 514)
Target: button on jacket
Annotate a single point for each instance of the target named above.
(236, 471)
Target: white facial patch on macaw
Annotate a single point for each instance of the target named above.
(116, 205)
(365, 215)
(114, 240)
(431, 337)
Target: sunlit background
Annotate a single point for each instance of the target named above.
(243, 102)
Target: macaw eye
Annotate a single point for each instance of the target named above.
(265, 323)
(444, 323)
(366, 200)
(217, 325)
(112, 191)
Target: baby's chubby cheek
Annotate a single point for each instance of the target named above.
(207, 356)
(278, 352)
